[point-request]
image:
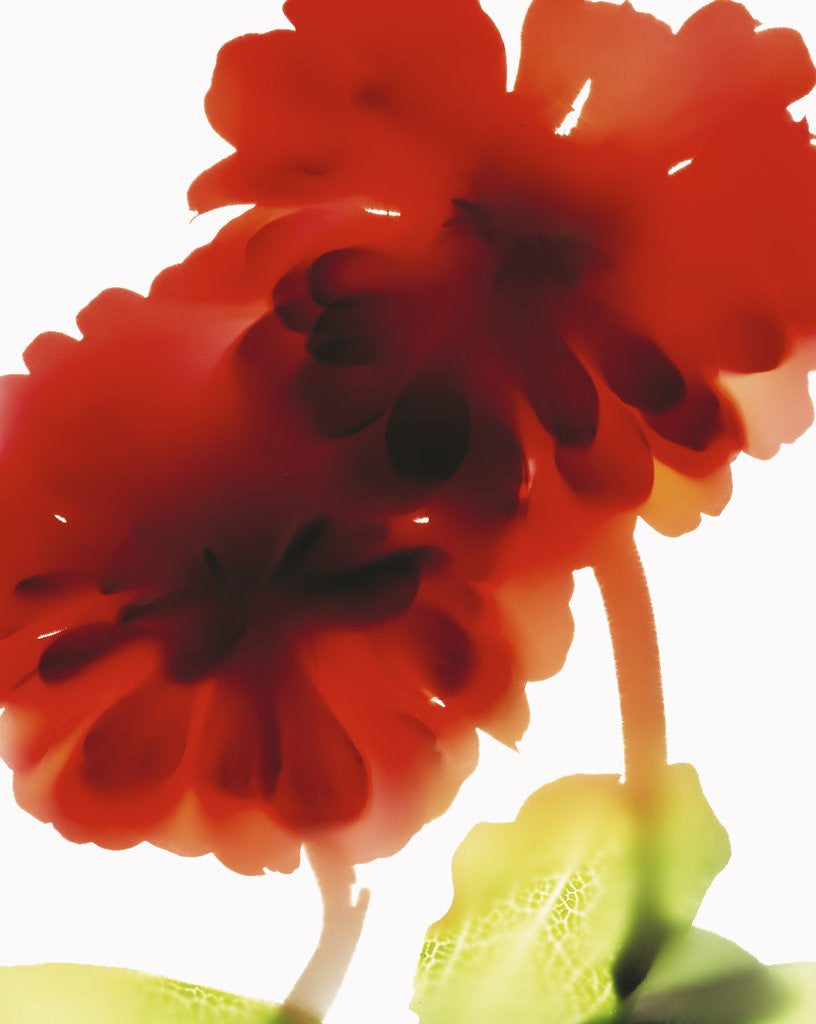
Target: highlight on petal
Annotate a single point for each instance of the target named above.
(574, 116)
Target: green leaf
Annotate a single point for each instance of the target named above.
(76, 994)
(797, 983)
(544, 905)
(701, 978)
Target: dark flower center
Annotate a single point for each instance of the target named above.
(524, 253)
(222, 610)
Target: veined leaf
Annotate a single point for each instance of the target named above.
(544, 905)
(77, 994)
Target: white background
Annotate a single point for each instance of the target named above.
(104, 129)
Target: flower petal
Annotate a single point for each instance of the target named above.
(428, 431)
(138, 742)
(324, 778)
(659, 92)
(353, 102)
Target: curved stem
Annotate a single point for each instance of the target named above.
(629, 611)
(318, 985)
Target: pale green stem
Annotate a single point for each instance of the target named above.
(316, 988)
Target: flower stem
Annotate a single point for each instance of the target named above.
(625, 594)
(629, 611)
(318, 985)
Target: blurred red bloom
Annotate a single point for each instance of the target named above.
(286, 531)
(200, 647)
(632, 274)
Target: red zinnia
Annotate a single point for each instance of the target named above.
(282, 527)
(201, 646)
(628, 283)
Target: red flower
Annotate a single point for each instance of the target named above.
(203, 647)
(624, 284)
(286, 531)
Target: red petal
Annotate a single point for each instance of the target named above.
(658, 92)
(617, 467)
(566, 42)
(561, 390)
(137, 743)
(240, 745)
(348, 103)
(323, 778)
